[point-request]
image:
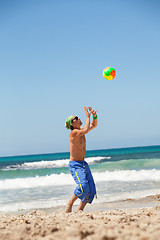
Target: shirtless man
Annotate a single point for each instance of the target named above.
(79, 168)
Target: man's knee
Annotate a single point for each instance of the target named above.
(82, 190)
(86, 188)
(92, 192)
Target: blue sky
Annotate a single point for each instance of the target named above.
(52, 57)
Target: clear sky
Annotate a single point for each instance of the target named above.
(52, 56)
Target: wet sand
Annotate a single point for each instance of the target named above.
(124, 221)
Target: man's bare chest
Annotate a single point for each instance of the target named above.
(79, 141)
(82, 140)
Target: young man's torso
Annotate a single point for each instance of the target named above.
(77, 147)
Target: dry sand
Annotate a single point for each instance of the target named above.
(137, 224)
(126, 224)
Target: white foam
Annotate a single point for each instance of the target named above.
(51, 164)
(66, 179)
(128, 175)
(32, 182)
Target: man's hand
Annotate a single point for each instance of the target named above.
(88, 113)
(94, 113)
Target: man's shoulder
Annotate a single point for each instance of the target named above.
(75, 131)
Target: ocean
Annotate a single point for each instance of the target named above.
(44, 181)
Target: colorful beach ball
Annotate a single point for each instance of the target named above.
(109, 73)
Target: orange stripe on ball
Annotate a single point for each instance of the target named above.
(113, 73)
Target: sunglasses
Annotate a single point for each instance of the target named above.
(76, 118)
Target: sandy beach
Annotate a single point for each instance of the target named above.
(133, 223)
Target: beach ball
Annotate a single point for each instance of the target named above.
(109, 73)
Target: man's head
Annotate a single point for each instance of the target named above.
(73, 122)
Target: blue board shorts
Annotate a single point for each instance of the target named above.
(82, 175)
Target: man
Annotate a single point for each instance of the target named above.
(79, 168)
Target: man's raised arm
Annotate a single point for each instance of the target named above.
(95, 121)
(86, 127)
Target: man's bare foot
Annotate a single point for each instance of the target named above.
(68, 208)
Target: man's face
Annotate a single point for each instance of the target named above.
(76, 122)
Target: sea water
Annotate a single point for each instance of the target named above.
(44, 181)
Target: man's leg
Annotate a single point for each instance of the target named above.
(81, 206)
(70, 203)
(91, 185)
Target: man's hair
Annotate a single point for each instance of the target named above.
(68, 122)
